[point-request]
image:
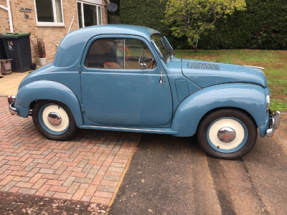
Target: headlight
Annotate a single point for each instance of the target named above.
(268, 102)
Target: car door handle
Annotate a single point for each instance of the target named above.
(160, 79)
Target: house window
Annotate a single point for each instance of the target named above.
(89, 14)
(100, 15)
(49, 12)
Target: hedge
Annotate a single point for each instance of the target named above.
(262, 26)
(144, 12)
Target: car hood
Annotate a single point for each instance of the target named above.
(205, 74)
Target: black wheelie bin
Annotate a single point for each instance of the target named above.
(17, 47)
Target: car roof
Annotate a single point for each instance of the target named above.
(72, 45)
(118, 29)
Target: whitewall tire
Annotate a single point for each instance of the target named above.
(227, 134)
(54, 120)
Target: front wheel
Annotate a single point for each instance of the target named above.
(54, 120)
(227, 134)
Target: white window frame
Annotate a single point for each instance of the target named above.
(51, 24)
(83, 14)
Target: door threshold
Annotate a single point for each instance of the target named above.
(140, 130)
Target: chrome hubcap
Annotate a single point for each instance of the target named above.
(226, 134)
(54, 119)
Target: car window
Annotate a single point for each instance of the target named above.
(134, 49)
(112, 53)
(105, 53)
(160, 43)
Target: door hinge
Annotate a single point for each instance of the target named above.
(83, 108)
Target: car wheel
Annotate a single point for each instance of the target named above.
(54, 120)
(227, 134)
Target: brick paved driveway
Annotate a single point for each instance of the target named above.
(87, 168)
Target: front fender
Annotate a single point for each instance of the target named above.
(47, 90)
(248, 97)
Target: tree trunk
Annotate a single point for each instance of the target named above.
(195, 46)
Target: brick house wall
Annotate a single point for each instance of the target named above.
(51, 35)
(104, 12)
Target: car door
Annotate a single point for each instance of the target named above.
(116, 91)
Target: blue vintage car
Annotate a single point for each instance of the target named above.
(126, 78)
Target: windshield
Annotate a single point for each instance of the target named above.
(162, 45)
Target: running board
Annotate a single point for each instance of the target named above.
(140, 130)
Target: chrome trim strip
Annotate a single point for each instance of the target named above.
(123, 128)
(124, 53)
(157, 48)
(268, 102)
(256, 67)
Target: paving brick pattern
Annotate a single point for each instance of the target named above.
(87, 168)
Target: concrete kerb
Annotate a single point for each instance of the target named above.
(281, 133)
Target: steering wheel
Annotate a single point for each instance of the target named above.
(151, 63)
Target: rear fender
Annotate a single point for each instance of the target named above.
(248, 97)
(47, 90)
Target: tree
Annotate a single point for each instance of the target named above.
(194, 18)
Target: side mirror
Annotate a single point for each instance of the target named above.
(140, 63)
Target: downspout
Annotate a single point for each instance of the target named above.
(9, 14)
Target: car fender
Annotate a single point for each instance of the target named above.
(248, 97)
(47, 90)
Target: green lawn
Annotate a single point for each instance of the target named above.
(274, 62)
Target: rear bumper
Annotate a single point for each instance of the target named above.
(274, 122)
(11, 103)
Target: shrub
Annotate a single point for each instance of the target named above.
(262, 26)
(39, 47)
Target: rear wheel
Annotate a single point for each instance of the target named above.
(54, 120)
(227, 134)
